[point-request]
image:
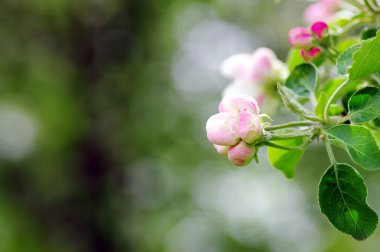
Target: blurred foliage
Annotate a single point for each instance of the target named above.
(102, 147)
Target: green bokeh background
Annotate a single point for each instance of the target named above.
(102, 142)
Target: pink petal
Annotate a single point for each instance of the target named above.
(261, 65)
(222, 129)
(241, 154)
(249, 127)
(265, 52)
(301, 41)
(300, 37)
(305, 55)
(320, 29)
(222, 149)
(236, 66)
(310, 54)
(317, 12)
(331, 4)
(260, 99)
(314, 52)
(298, 31)
(238, 102)
(256, 67)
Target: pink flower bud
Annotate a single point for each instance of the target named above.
(237, 124)
(318, 11)
(223, 150)
(241, 154)
(297, 31)
(249, 127)
(311, 54)
(320, 29)
(236, 103)
(314, 52)
(222, 128)
(300, 38)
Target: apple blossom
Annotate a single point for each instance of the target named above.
(242, 153)
(256, 67)
(303, 38)
(320, 29)
(250, 126)
(222, 128)
(250, 72)
(321, 10)
(300, 38)
(238, 103)
(223, 150)
(236, 129)
(311, 54)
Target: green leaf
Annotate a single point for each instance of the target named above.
(343, 45)
(302, 80)
(366, 59)
(358, 142)
(368, 33)
(344, 61)
(342, 198)
(290, 100)
(376, 123)
(294, 58)
(364, 105)
(286, 160)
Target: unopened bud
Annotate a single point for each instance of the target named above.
(223, 150)
(300, 38)
(222, 129)
(320, 29)
(238, 102)
(241, 154)
(308, 55)
(249, 127)
(236, 129)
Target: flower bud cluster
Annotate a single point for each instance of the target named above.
(308, 39)
(252, 72)
(235, 130)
